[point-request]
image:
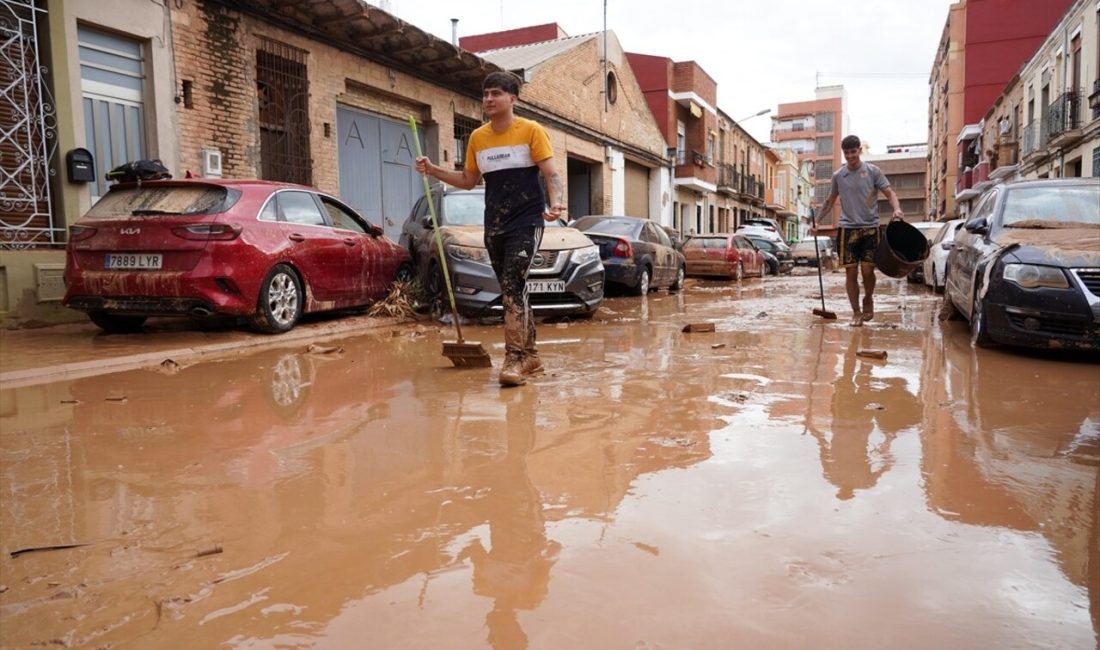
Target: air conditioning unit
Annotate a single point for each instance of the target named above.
(211, 163)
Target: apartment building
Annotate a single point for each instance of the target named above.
(813, 130)
(718, 168)
(905, 165)
(1046, 122)
(789, 188)
(982, 46)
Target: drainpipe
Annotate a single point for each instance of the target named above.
(454, 32)
(606, 90)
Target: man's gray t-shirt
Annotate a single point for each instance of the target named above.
(858, 190)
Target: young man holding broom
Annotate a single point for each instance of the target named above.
(511, 153)
(857, 185)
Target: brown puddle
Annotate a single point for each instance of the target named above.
(758, 486)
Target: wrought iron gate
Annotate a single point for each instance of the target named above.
(28, 131)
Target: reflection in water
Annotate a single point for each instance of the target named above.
(515, 571)
(377, 498)
(868, 412)
(1017, 446)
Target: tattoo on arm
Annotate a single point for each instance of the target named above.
(555, 190)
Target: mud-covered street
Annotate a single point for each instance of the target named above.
(760, 486)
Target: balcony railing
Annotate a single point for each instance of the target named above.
(1035, 138)
(1064, 114)
(727, 176)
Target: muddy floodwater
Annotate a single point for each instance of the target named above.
(760, 486)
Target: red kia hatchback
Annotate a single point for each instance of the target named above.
(265, 251)
(723, 254)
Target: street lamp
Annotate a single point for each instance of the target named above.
(756, 114)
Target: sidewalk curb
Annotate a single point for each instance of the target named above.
(83, 369)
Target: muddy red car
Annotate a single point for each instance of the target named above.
(268, 252)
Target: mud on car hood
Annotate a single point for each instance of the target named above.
(1067, 246)
(553, 239)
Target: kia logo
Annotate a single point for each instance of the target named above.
(131, 231)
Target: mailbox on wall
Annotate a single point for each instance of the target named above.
(81, 166)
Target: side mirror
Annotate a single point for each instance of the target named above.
(947, 245)
(978, 226)
(426, 222)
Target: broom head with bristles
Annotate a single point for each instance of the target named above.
(467, 354)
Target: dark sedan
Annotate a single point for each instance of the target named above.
(782, 261)
(637, 253)
(1025, 268)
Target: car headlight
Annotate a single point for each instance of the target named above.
(1030, 276)
(471, 253)
(586, 255)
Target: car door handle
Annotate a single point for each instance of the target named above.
(296, 237)
(348, 241)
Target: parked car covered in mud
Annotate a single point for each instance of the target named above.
(265, 251)
(637, 253)
(930, 230)
(566, 277)
(724, 255)
(1025, 268)
(935, 265)
(777, 254)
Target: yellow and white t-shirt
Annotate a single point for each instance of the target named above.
(514, 194)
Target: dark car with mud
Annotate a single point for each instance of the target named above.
(1025, 268)
(566, 277)
(778, 254)
(637, 253)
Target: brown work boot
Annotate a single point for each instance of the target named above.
(531, 365)
(868, 308)
(511, 374)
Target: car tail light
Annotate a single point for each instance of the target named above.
(622, 248)
(208, 231)
(77, 233)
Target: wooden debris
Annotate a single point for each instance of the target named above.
(213, 550)
(872, 354)
(698, 327)
(323, 349)
(717, 346)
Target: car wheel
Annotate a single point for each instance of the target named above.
(116, 323)
(979, 329)
(679, 283)
(936, 287)
(280, 303)
(643, 283)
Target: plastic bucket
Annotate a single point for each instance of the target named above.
(901, 249)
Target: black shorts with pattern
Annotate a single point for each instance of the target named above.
(857, 245)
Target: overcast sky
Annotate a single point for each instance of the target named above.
(761, 53)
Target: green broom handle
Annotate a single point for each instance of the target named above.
(438, 236)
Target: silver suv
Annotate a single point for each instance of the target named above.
(566, 278)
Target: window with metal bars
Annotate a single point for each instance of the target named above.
(282, 90)
(464, 126)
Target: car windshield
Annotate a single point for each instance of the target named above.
(464, 209)
(617, 227)
(162, 201)
(1052, 207)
